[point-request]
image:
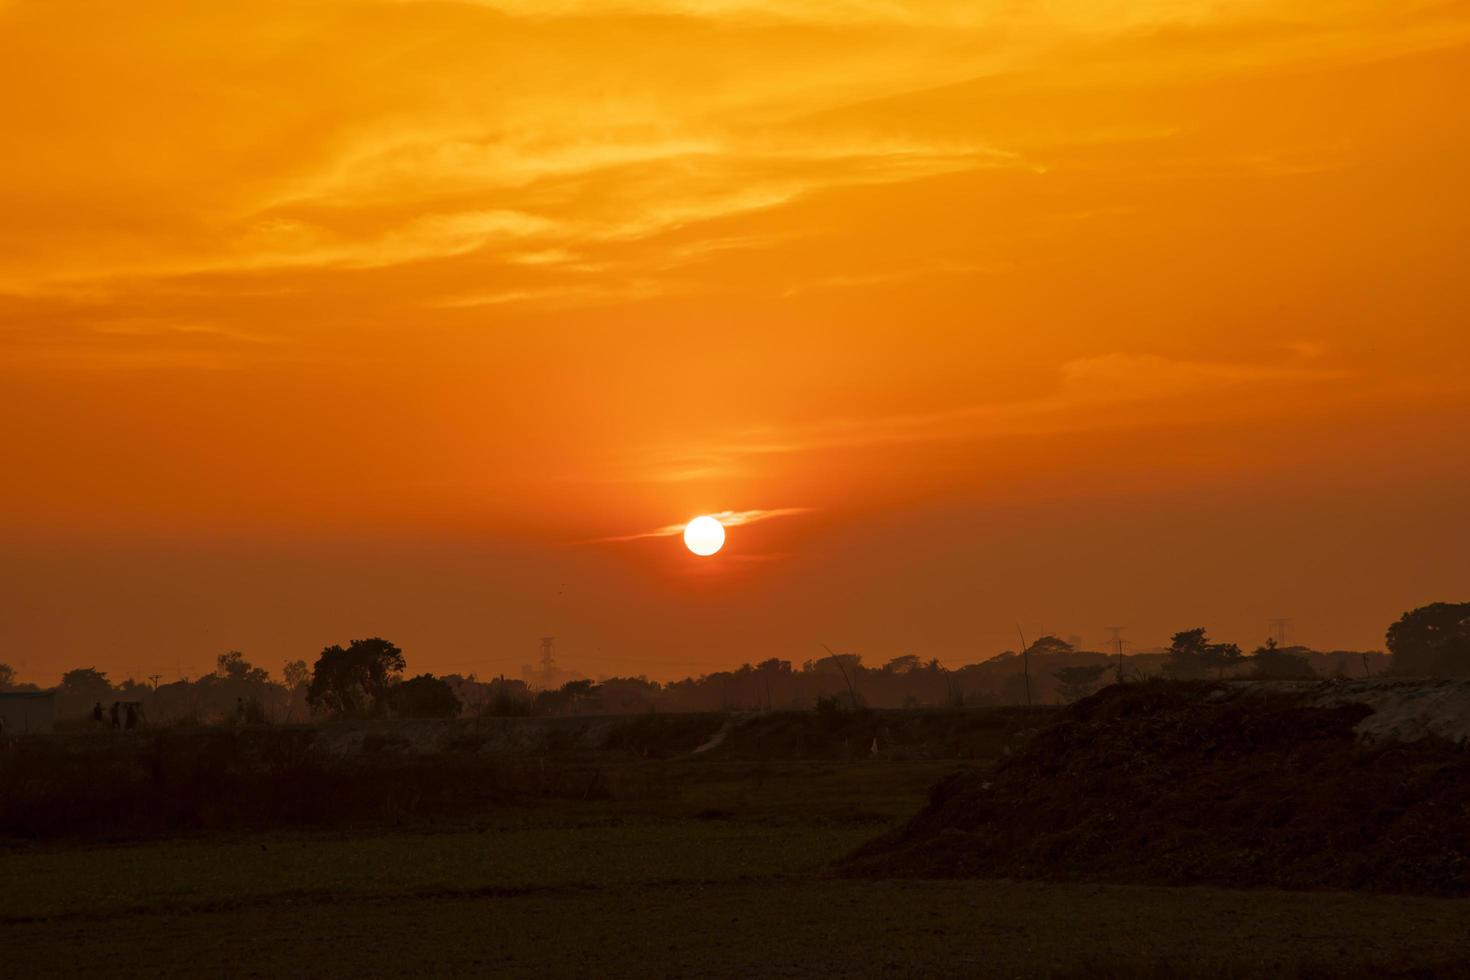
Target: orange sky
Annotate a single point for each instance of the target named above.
(333, 318)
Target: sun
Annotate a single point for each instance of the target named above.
(704, 536)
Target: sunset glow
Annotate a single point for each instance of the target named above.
(344, 318)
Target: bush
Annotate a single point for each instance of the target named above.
(424, 696)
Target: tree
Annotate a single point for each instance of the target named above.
(1432, 640)
(1192, 655)
(628, 695)
(296, 674)
(233, 666)
(85, 684)
(354, 680)
(1186, 654)
(902, 665)
(297, 677)
(7, 677)
(1076, 683)
(1223, 657)
(508, 698)
(774, 679)
(424, 696)
(834, 663)
(1052, 646)
(1280, 663)
(567, 698)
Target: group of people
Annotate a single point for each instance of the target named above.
(119, 717)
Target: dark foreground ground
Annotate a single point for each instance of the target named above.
(728, 874)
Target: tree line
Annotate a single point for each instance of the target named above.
(367, 678)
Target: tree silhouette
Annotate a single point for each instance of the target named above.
(296, 674)
(567, 698)
(233, 666)
(1432, 640)
(7, 677)
(1280, 663)
(86, 684)
(354, 680)
(1050, 646)
(424, 696)
(1192, 655)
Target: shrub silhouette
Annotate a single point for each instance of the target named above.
(424, 696)
(1433, 640)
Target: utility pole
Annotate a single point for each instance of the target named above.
(1116, 632)
(155, 678)
(548, 664)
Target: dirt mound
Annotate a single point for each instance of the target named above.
(1201, 783)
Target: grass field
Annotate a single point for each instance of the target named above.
(727, 876)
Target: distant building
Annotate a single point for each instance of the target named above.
(28, 712)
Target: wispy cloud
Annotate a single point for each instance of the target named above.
(1087, 389)
(509, 154)
(729, 518)
(858, 280)
(151, 327)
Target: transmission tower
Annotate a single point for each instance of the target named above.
(548, 663)
(1115, 634)
(1278, 630)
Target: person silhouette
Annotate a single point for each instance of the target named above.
(116, 720)
(97, 715)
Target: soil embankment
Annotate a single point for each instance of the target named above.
(1328, 785)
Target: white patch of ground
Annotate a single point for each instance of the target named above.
(1405, 709)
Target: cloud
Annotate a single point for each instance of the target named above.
(285, 242)
(858, 280)
(729, 518)
(92, 340)
(445, 130)
(604, 289)
(941, 13)
(152, 327)
(510, 155)
(1054, 15)
(1089, 392)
